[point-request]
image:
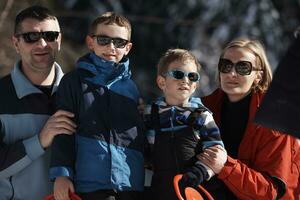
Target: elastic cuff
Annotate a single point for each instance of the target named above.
(33, 147)
(280, 186)
(210, 172)
(60, 171)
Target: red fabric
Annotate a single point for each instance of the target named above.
(262, 152)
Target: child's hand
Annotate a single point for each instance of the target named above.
(62, 187)
(214, 157)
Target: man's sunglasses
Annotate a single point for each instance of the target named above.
(178, 74)
(103, 40)
(32, 37)
(241, 67)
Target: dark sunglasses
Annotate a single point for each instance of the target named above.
(31, 37)
(241, 67)
(105, 40)
(178, 74)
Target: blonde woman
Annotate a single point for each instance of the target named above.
(261, 162)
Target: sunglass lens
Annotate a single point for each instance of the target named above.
(50, 36)
(31, 37)
(178, 74)
(225, 65)
(119, 42)
(243, 68)
(194, 77)
(102, 40)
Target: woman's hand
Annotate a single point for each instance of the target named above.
(214, 157)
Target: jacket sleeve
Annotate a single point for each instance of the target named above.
(15, 157)
(203, 123)
(150, 135)
(267, 174)
(63, 146)
(208, 130)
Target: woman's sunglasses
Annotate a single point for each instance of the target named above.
(105, 40)
(241, 67)
(178, 74)
(32, 37)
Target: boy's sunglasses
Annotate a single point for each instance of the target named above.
(32, 37)
(241, 67)
(178, 74)
(105, 40)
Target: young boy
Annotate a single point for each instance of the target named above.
(103, 159)
(179, 126)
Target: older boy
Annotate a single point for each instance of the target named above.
(179, 126)
(104, 159)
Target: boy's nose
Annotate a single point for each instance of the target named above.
(185, 79)
(111, 44)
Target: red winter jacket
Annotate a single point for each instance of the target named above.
(263, 153)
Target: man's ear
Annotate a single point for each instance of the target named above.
(89, 42)
(59, 41)
(161, 82)
(15, 42)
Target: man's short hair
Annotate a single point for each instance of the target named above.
(109, 18)
(35, 12)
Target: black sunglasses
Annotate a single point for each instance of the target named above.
(105, 40)
(241, 67)
(32, 37)
(178, 74)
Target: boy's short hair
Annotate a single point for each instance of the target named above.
(109, 18)
(175, 55)
(34, 12)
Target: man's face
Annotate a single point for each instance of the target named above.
(110, 51)
(37, 56)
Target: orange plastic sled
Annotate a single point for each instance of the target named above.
(73, 196)
(190, 193)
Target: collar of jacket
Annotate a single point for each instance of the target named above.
(104, 72)
(24, 87)
(215, 101)
(194, 102)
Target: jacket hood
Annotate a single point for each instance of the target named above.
(105, 72)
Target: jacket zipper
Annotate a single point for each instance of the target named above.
(173, 110)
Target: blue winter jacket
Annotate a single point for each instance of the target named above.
(106, 151)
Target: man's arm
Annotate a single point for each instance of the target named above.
(12, 157)
(15, 157)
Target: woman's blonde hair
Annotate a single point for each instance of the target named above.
(257, 49)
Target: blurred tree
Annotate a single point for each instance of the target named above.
(202, 26)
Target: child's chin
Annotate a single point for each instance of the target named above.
(109, 58)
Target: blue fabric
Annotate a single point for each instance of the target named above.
(106, 151)
(115, 77)
(61, 171)
(100, 165)
(175, 118)
(106, 72)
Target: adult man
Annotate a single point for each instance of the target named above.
(26, 131)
